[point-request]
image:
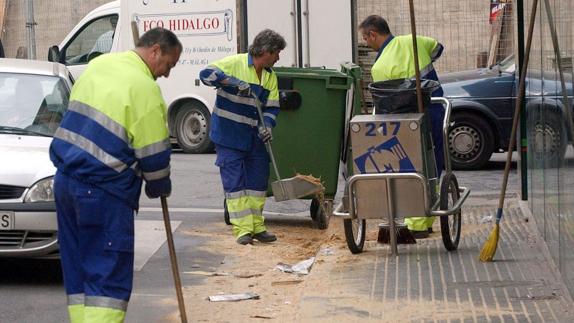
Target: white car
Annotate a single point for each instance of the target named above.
(33, 98)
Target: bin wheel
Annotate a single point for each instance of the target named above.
(226, 213)
(355, 234)
(450, 225)
(321, 213)
(314, 209)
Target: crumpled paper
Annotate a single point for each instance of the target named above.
(300, 268)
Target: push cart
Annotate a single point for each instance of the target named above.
(395, 177)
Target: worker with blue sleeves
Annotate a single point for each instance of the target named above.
(238, 135)
(113, 137)
(395, 60)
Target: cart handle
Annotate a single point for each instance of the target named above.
(445, 125)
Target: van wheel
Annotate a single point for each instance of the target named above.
(192, 128)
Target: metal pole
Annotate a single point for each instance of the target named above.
(392, 224)
(173, 258)
(30, 26)
(523, 146)
(416, 57)
(519, 99)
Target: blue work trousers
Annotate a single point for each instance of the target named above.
(244, 175)
(96, 237)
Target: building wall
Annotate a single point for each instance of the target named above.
(54, 20)
(461, 26)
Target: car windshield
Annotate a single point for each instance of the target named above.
(31, 104)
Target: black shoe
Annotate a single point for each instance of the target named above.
(265, 236)
(245, 239)
(430, 230)
(403, 235)
(420, 234)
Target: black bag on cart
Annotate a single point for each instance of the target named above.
(400, 95)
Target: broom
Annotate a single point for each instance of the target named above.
(489, 247)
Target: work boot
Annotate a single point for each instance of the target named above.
(403, 235)
(420, 234)
(245, 239)
(265, 236)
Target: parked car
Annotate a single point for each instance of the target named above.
(33, 98)
(483, 106)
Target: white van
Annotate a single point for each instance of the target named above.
(207, 30)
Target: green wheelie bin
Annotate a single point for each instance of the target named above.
(309, 137)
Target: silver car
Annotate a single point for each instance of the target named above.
(33, 98)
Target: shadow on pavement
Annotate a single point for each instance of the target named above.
(16, 271)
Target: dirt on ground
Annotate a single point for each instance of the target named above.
(252, 269)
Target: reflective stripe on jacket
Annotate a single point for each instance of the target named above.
(396, 60)
(115, 130)
(234, 119)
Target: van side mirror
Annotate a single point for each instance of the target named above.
(54, 54)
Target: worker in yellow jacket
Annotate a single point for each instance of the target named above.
(238, 134)
(113, 137)
(395, 60)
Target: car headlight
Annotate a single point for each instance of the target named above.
(42, 191)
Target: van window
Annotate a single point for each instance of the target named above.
(93, 40)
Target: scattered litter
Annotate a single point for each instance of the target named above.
(286, 282)
(328, 251)
(288, 302)
(206, 273)
(262, 317)
(486, 219)
(300, 268)
(233, 297)
(247, 275)
(195, 266)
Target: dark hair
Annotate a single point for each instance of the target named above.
(377, 24)
(166, 40)
(267, 41)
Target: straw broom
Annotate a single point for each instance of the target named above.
(489, 247)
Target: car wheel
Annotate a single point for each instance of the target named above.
(547, 141)
(471, 141)
(192, 128)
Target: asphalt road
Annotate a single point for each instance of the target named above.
(32, 290)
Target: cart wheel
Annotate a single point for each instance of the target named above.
(321, 213)
(450, 225)
(226, 213)
(355, 234)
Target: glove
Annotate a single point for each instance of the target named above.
(265, 134)
(244, 89)
(161, 187)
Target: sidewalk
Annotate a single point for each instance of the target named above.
(426, 283)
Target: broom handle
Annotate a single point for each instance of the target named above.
(521, 90)
(416, 57)
(173, 259)
(267, 144)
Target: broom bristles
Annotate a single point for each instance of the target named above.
(489, 247)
